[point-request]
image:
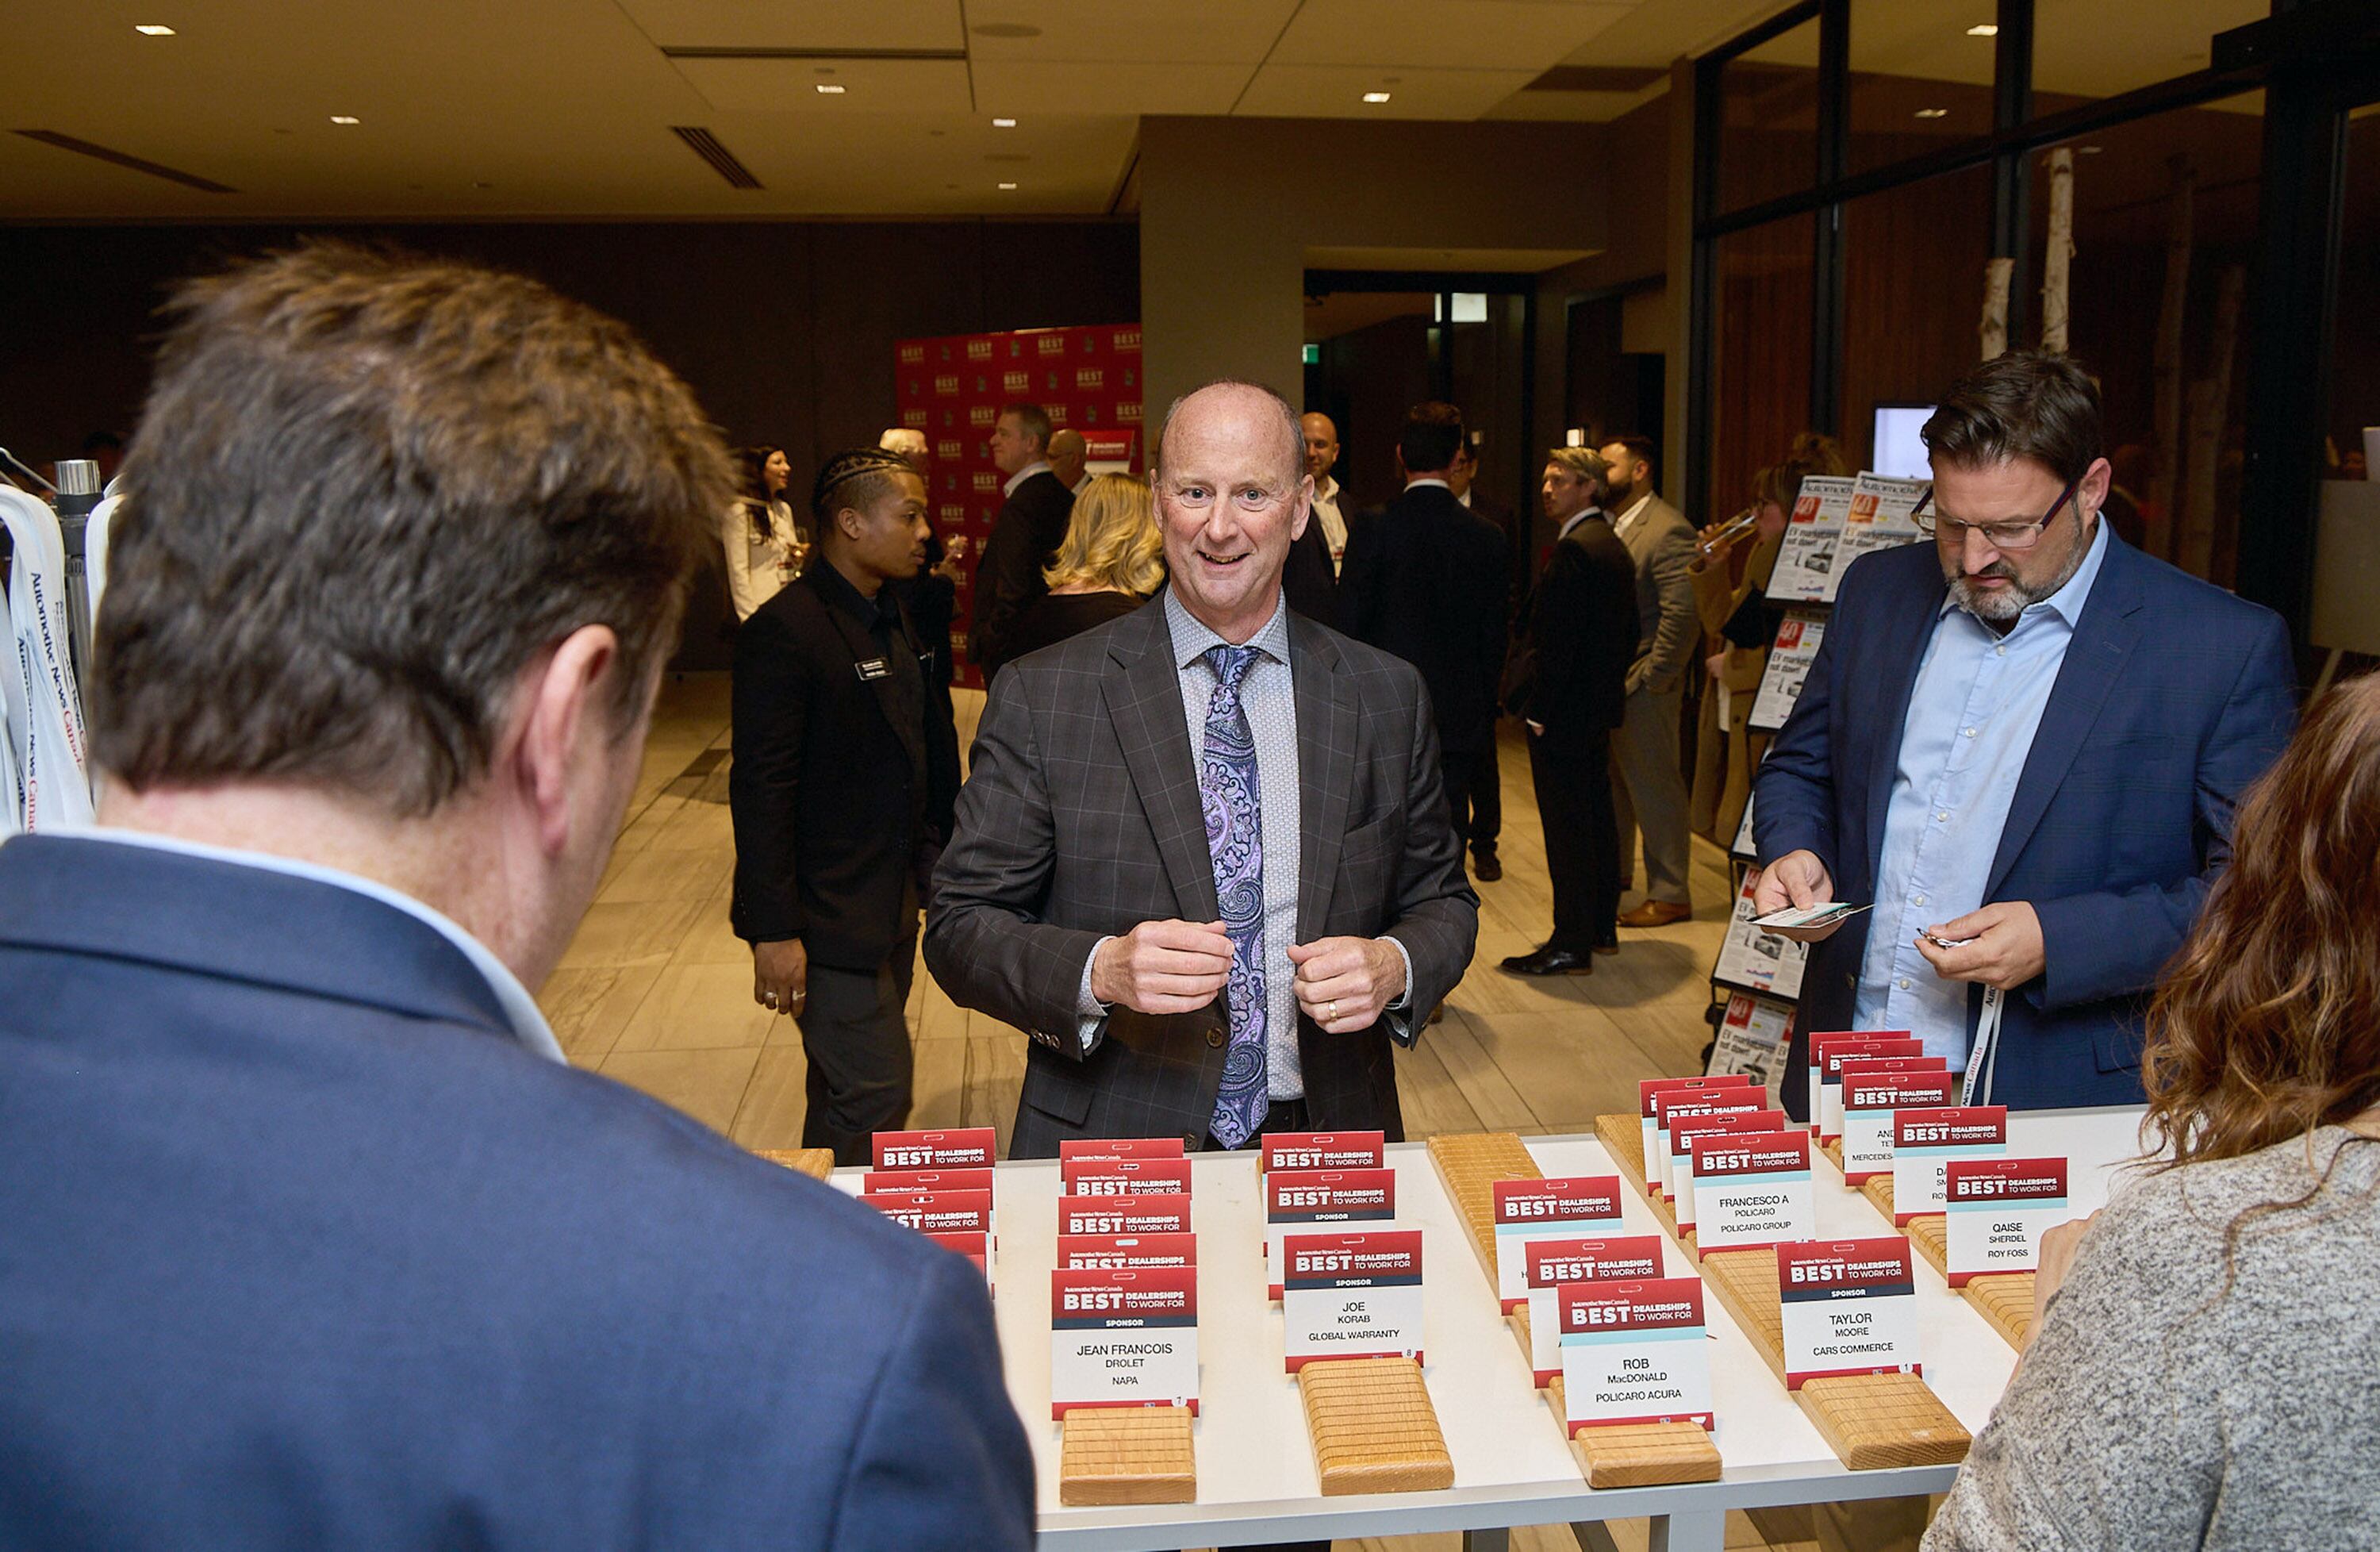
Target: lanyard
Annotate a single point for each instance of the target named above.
(1985, 1047)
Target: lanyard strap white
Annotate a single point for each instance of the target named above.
(1985, 1047)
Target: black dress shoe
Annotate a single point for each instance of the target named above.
(1486, 869)
(1550, 961)
(1611, 947)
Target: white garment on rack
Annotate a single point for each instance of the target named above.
(94, 549)
(44, 707)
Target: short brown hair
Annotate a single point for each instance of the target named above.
(1587, 464)
(366, 491)
(1032, 421)
(2027, 404)
(1432, 437)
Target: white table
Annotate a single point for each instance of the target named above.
(1257, 1479)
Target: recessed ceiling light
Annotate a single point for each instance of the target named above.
(1008, 185)
(830, 88)
(1933, 113)
(1375, 96)
(1003, 124)
(152, 30)
(344, 119)
(1984, 30)
(2092, 151)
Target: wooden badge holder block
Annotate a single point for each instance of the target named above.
(817, 1163)
(2005, 1299)
(1870, 1422)
(1374, 1428)
(1628, 1455)
(1126, 1455)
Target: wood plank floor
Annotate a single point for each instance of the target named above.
(657, 992)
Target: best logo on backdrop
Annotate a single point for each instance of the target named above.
(951, 388)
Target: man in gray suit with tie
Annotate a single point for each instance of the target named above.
(1649, 785)
(1203, 854)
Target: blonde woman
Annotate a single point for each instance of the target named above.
(1108, 564)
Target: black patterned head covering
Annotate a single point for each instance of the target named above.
(845, 467)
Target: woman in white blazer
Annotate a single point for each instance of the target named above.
(764, 548)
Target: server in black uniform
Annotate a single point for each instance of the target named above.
(1569, 684)
(846, 766)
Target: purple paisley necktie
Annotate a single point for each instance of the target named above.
(1227, 789)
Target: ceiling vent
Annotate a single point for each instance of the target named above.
(722, 160)
(101, 152)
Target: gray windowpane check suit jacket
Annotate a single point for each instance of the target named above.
(1081, 819)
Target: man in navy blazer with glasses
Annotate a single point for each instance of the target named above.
(2021, 744)
(309, 1236)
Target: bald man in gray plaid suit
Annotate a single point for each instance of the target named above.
(1203, 856)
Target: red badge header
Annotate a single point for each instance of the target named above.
(969, 1148)
(1541, 1201)
(1652, 1304)
(1630, 1256)
(1325, 1150)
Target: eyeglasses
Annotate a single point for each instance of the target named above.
(2000, 535)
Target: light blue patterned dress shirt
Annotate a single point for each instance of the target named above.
(1268, 697)
(1973, 714)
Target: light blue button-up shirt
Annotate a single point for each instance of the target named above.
(1973, 714)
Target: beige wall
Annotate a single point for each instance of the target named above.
(1229, 206)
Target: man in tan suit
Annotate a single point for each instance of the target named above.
(1648, 788)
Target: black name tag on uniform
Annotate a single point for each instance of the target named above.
(874, 668)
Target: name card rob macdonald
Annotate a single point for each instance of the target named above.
(1634, 1353)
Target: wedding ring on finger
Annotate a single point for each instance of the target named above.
(1330, 1012)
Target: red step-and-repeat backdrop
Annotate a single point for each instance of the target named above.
(952, 389)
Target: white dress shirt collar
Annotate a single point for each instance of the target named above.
(529, 1026)
(1427, 479)
(1038, 465)
(1192, 638)
(1576, 519)
(1621, 522)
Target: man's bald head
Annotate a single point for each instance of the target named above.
(1321, 440)
(1229, 396)
(1232, 494)
(1067, 451)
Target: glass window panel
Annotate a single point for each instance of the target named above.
(1920, 77)
(2086, 49)
(1914, 263)
(1760, 379)
(1768, 120)
(2348, 543)
(2146, 256)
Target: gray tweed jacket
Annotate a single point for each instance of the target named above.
(1080, 818)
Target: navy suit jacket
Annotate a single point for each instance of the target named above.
(299, 1248)
(2173, 697)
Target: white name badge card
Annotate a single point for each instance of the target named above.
(1123, 1338)
(1351, 1296)
(1657, 1147)
(1671, 1111)
(1125, 1252)
(966, 1147)
(1849, 1308)
(1999, 1209)
(1297, 1200)
(1124, 1177)
(1818, 1052)
(1119, 1147)
(1830, 1113)
(1124, 1215)
(1324, 1150)
(1634, 1353)
(1691, 1129)
(1869, 1101)
(1924, 1143)
(1621, 1257)
(1527, 1211)
(1753, 1190)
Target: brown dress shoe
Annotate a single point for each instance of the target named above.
(1656, 913)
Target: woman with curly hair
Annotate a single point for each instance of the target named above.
(2200, 1375)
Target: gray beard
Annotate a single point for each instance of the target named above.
(2003, 605)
